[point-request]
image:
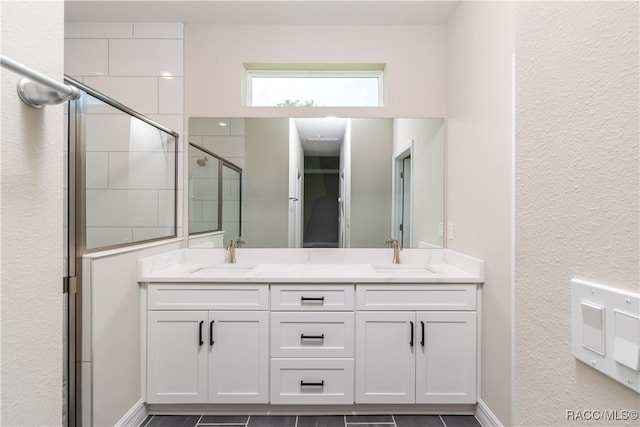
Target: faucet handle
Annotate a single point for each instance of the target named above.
(393, 243)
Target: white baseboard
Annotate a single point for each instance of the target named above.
(485, 417)
(135, 416)
(138, 413)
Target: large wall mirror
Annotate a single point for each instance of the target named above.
(328, 182)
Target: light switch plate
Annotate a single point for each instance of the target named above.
(605, 330)
(593, 335)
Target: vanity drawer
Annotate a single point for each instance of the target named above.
(312, 297)
(312, 381)
(416, 297)
(312, 334)
(183, 296)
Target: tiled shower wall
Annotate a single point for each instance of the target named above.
(141, 66)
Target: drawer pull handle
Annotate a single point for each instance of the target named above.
(304, 299)
(411, 342)
(200, 341)
(311, 337)
(304, 384)
(422, 337)
(211, 341)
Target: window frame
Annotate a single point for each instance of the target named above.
(377, 73)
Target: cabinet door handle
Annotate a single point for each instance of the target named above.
(411, 342)
(304, 384)
(422, 337)
(311, 337)
(303, 299)
(211, 342)
(200, 341)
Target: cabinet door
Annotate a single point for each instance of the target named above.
(238, 356)
(177, 357)
(446, 357)
(385, 359)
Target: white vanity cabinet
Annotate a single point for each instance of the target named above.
(207, 343)
(319, 331)
(312, 344)
(416, 344)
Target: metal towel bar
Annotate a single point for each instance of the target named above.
(37, 90)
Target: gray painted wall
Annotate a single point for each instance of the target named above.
(266, 178)
(371, 152)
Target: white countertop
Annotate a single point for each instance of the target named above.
(312, 266)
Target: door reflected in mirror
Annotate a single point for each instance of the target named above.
(318, 183)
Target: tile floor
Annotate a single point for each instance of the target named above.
(311, 421)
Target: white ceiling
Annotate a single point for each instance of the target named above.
(263, 12)
(322, 136)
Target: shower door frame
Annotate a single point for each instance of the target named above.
(79, 348)
(70, 280)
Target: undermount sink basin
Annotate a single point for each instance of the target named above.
(404, 269)
(224, 269)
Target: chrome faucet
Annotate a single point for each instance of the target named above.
(393, 243)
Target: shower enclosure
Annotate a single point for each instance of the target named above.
(215, 199)
(121, 189)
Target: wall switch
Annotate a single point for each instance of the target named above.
(605, 324)
(626, 343)
(450, 231)
(593, 335)
(440, 229)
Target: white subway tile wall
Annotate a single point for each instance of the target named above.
(141, 66)
(137, 93)
(171, 121)
(145, 57)
(170, 95)
(94, 30)
(86, 57)
(97, 175)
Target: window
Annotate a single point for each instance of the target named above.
(316, 87)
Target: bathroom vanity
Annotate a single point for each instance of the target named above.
(310, 327)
